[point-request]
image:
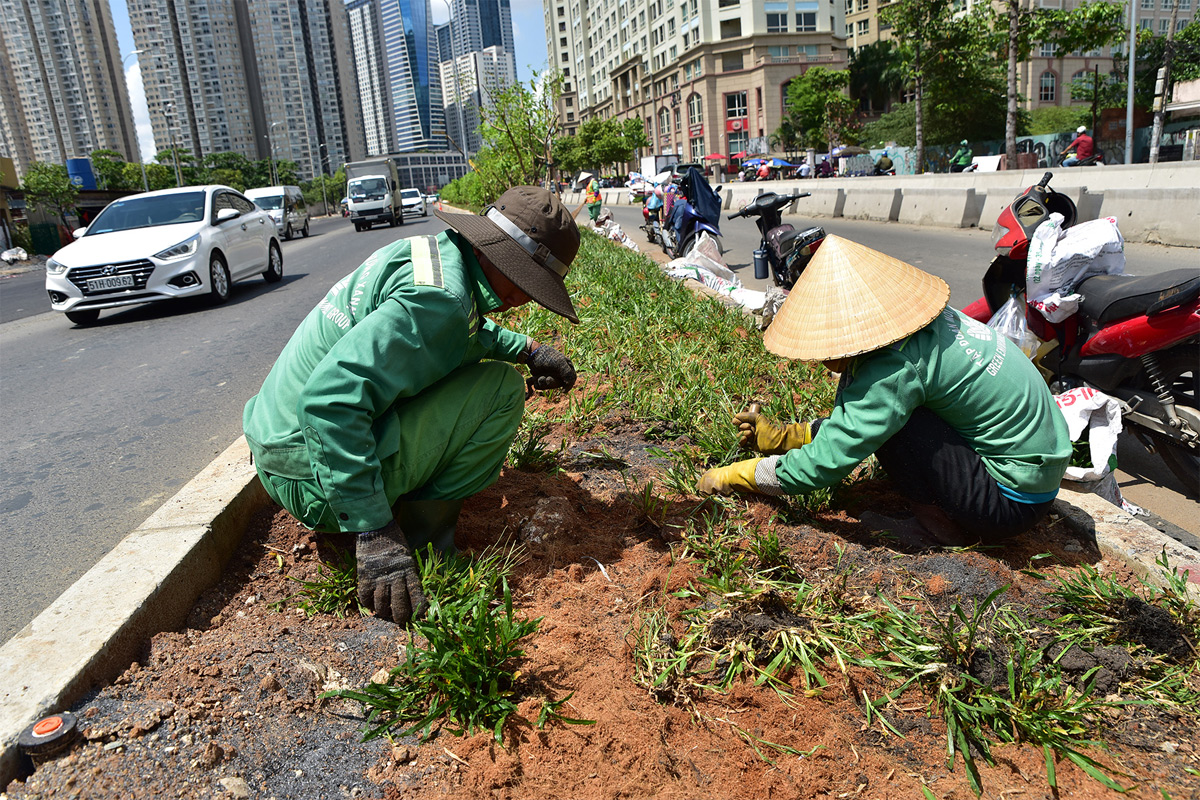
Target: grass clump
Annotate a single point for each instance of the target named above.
(459, 669)
(333, 591)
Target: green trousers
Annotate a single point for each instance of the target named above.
(594, 210)
(454, 438)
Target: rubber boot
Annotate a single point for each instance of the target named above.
(426, 522)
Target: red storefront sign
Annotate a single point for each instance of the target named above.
(735, 125)
(695, 130)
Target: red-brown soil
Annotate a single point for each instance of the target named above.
(228, 706)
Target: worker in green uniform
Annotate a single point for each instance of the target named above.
(958, 417)
(963, 158)
(381, 415)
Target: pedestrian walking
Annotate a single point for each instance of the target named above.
(593, 199)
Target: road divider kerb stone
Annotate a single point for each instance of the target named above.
(148, 583)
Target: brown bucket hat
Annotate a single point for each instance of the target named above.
(531, 238)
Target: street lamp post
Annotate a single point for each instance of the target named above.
(168, 111)
(141, 163)
(271, 142)
(323, 151)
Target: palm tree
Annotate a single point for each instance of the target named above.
(876, 76)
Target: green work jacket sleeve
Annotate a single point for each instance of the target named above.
(412, 340)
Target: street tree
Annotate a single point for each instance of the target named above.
(600, 143)
(109, 166)
(1089, 26)
(876, 76)
(922, 28)
(48, 186)
(818, 105)
(1160, 102)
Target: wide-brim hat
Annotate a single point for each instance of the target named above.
(850, 300)
(531, 238)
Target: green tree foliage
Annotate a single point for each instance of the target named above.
(1185, 64)
(876, 76)
(109, 166)
(600, 145)
(925, 31)
(49, 187)
(1017, 29)
(818, 106)
(1056, 119)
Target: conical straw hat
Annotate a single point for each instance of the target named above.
(851, 299)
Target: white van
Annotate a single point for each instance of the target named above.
(286, 206)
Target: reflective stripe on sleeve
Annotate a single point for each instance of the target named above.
(426, 261)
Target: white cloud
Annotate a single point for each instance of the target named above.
(141, 111)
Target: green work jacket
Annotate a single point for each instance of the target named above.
(963, 157)
(405, 319)
(981, 384)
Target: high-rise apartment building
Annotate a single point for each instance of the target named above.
(469, 83)
(395, 52)
(482, 24)
(64, 91)
(267, 79)
(706, 76)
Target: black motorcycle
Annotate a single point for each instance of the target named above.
(784, 251)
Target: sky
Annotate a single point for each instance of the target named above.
(529, 33)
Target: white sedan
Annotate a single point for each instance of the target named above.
(184, 242)
(413, 202)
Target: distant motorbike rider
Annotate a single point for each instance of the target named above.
(884, 165)
(959, 418)
(1082, 144)
(962, 159)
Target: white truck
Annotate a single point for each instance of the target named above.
(373, 189)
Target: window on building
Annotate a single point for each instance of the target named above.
(806, 16)
(570, 101)
(1144, 24)
(671, 27)
(735, 105)
(731, 28)
(561, 11)
(738, 141)
(1185, 5)
(1164, 25)
(562, 42)
(864, 27)
(674, 52)
(864, 5)
(564, 57)
(777, 17)
(1167, 5)
(727, 3)
(695, 108)
(1047, 50)
(698, 149)
(664, 121)
(807, 50)
(779, 53)
(562, 26)
(1147, 4)
(1048, 89)
(676, 119)
(731, 62)
(1180, 24)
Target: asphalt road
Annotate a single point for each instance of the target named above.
(105, 423)
(960, 257)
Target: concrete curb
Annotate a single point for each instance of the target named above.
(151, 580)
(148, 583)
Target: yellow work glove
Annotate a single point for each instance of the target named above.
(757, 431)
(737, 477)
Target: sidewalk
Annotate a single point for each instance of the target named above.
(149, 582)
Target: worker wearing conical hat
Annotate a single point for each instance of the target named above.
(958, 417)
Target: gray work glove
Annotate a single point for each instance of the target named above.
(388, 581)
(550, 369)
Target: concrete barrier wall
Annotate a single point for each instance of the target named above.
(1152, 203)
(953, 209)
(1160, 215)
(878, 203)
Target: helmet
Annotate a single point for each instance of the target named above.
(964, 141)
(1081, 129)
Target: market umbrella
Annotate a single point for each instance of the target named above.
(714, 157)
(742, 154)
(779, 162)
(754, 162)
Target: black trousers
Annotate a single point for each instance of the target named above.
(932, 465)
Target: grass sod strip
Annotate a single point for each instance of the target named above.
(648, 348)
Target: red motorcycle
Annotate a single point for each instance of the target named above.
(1136, 339)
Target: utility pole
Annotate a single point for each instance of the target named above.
(1162, 88)
(323, 151)
(1129, 89)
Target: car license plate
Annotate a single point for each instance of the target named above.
(111, 282)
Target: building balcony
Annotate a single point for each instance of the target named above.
(828, 58)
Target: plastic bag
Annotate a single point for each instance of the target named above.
(1010, 321)
(1100, 415)
(1061, 258)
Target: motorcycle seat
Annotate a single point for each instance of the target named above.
(786, 238)
(1107, 298)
